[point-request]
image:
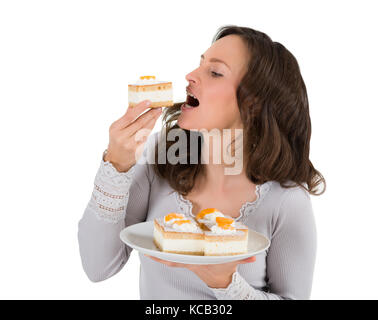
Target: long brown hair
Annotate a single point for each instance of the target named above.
(273, 104)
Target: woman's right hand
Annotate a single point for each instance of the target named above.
(123, 135)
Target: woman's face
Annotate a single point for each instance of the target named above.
(214, 84)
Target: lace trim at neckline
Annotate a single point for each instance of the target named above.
(248, 207)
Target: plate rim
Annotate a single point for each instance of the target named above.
(213, 259)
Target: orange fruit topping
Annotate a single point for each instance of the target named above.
(173, 215)
(226, 226)
(225, 223)
(180, 222)
(224, 220)
(147, 77)
(204, 212)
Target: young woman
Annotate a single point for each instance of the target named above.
(245, 83)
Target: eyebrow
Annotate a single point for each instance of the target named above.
(216, 60)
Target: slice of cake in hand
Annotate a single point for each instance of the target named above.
(177, 233)
(223, 235)
(148, 88)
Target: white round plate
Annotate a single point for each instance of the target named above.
(140, 237)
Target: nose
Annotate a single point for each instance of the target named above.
(192, 77)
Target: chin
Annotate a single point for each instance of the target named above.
(187, 124)
(184, 124)
(187, 127)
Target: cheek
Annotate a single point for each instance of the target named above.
(222, 101)
(218, 97)
(224, 113)
(220, 94)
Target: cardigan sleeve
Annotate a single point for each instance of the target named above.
(290, 257)
(118, 199)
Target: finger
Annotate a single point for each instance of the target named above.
(139, 133)
(131, 114)
(167, 263)
(157, 259)
(139, 138)
(147, 129)
(247, 260)
(147, 119)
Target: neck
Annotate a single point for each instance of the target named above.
(223, 163)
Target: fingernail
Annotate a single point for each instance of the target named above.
(148, 103)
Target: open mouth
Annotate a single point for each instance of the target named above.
(192, 101)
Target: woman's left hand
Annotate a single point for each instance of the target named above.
(214, 275)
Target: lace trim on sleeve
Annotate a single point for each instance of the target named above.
(109, 174)
(111, 192)
(238, 289)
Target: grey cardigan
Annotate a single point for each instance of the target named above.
(285, 216)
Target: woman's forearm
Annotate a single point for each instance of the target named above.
(102, 252)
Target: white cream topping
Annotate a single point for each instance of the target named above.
(210, 217)
(218, 230)
(142, 82)
(186, 227)
(210, 221)
(170, 222)
(180, 228)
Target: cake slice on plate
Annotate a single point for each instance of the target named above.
(148, 88)
(223, 235)
(177, 233)
(210, 234)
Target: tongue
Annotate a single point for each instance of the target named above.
(193, 102)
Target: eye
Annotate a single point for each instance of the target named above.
(215, 75)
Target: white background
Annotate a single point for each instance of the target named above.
(64, 71)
